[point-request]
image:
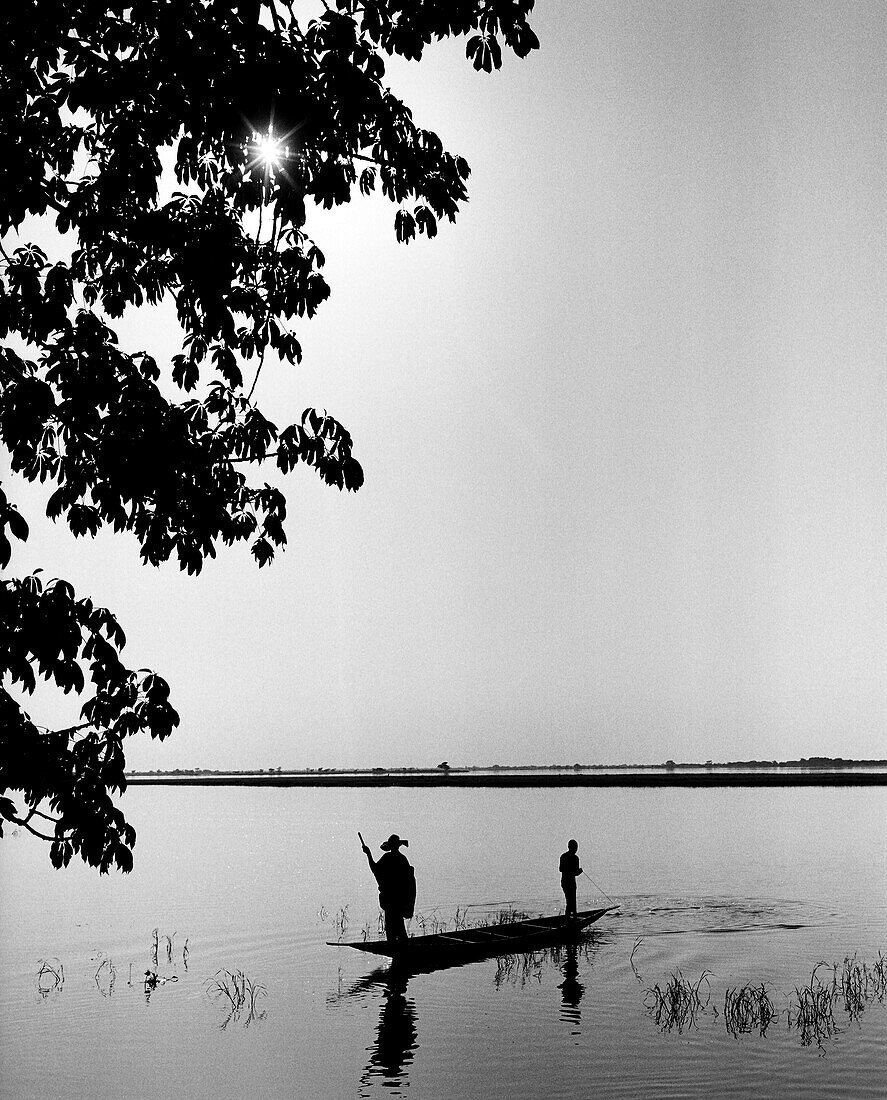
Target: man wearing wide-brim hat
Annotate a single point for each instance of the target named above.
(397, 885)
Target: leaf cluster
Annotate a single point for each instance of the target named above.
(99, 99)
(46, 631)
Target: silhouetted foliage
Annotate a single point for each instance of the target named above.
(260, 115)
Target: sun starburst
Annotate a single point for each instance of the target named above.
(269, 150)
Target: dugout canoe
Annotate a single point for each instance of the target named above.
(491, 939)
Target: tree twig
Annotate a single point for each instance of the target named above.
(258, 372)
(24, 823)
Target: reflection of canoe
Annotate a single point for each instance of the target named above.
(490, 939)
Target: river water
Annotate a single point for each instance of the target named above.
(719, 890)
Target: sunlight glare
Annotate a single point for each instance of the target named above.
(269, 150)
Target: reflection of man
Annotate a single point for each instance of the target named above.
(397, 1030)
(571, 988)
(396, 1037)
(397, 885)
(570, 871)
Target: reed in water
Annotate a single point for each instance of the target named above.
(237, 994)
(675, 1006)
(747, 1009)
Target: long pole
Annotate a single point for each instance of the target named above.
(595, 885)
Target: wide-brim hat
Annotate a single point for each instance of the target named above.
(394, 841)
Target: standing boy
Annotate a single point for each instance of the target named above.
(570, 871)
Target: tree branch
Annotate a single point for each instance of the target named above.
(24, 824)
(74, 729)
(251, 458)
(370, 160)
(42, 836)
(258, 372)
(275, 17)
(39, 813)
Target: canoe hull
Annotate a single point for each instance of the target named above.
(492, 939)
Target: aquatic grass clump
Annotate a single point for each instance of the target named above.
(50, 977)
(748, 1009)
(675, 1007)
(509, 916)
(105, 977)
(521, 968)
(237, 994)
(165, 944)
(153, 980)
(428, 922)
(853, 985)
(431, 923)
(811, 1014)
(340, 921)
(857, 983)
(637, 944)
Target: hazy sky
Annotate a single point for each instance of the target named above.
(624, 426)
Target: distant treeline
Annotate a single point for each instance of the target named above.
(669, 765)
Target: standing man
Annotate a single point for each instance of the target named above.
(397, 885)
(570, 871)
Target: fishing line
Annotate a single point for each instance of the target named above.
(595, 885)
(470, 905)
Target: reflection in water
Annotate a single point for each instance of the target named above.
(105, 976)
(50, 978)
(679, 1004)
(153, 979)
(396, 1037)
(396, 1040)
(676, 1006)
(571, 988)
(522, 968)
(748, 1009)
(237, 994)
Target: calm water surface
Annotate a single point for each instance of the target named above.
(741, 886)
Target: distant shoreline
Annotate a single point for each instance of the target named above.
(819, 777)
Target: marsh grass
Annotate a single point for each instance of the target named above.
(637, 944)
(164, 944)
(748, 1009)
(508, 916)
(340, 922)
(426, 922)
(430, 922)
(520, 969)
(106, 977)
(857, 983)
(50, 977)
(237, 995)
(854, 984)
(675, 1006)
(523, 967)
(339, 918)
(153, 980)
(810, 1012)
(851, 986)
